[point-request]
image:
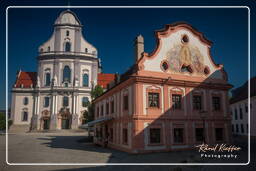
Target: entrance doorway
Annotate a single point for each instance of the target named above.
(46, 124)
(65, 124)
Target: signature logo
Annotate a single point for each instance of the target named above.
(217, 148)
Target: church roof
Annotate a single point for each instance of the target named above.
(27, 79)
(241, 93)
(104, 79)
(67, 17)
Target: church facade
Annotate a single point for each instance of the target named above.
(55, 96)
(173, 98)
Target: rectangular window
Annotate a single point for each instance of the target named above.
(246, 108)
(111, 134)
(176, 101)
(216, 103)
(46, 101)
(153, 99)
(232, 128)
(219, 134)
(197, 102)
(107, 108)
(155, 135)
(25, 116)
(199, 134)
(125, 136)
(178, 135)
(98, 111)
(237, 128)
(112, 106)
(125, 102)
(241, 113)
(242, 128)
(102, 108)
(235, 114)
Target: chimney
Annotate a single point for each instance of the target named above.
(138, 47)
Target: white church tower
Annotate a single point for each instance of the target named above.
(67, 71)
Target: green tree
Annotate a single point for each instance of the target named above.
(89, 112)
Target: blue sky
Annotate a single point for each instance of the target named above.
(112, 32)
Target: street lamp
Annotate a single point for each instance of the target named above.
(203, 116)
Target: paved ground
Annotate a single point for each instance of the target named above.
(65, 147)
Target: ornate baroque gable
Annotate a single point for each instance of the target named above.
(181, 50)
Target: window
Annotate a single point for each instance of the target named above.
(102, 110)
(86, 50)
(46, 101)
(112, 106)
(197, 102)
(242, 128)
(125, 102)
(125, 136)
(216, 103)
(237, 128)
(241, 113)
(67, 33)
(67, 47)
(184, 39)
(235, 114)
(65, 101)
(47, 79)
(178, 135)
(165, 66)
(186, 69)
(199, 134)
(49, 48)
(219, 134)
(232, 128)
(111, 134)
(25, 101)
(246, 128)
(155, 135)
(153, 99)
(246, 108)
(66, 74)
(85, 101)
(24, 116)
(85, 80)
(176, 101)
(107, 108)
(98, 111)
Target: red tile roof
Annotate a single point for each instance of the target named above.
(104, 79)
(26, 79)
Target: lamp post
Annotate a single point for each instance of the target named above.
(203, 116)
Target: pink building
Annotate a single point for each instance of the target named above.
(173, 98)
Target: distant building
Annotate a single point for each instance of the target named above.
(173, 98)
(239, 108)
(55, 96)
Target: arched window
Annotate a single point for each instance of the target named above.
(85, 80)
(67, 33)
(66, 74)
(85, 101)
(47, 79)
(86, 50)
(65, 101)
(25, 101)
(49, 49)
(24, 115)
(67, 47)
(46, 101)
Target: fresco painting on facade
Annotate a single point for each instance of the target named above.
(68, 68)
(171, 99)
